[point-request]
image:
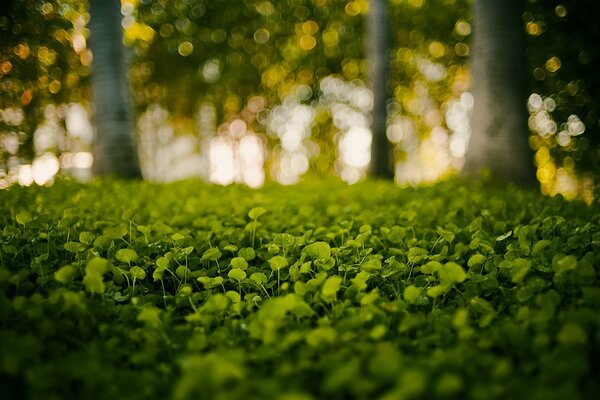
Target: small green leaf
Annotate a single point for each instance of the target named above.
(371, 265)
(259, 278)
(86, 237)
(211, 254)
(237, 274)
(330, 288)
(431, 267)
(157, 275)
(277, 263)
(74, 247)
(256, 212)
(283, 239)
(416, 254)
(233, 296)
(65, 274)
(504, 236)
(97, 266)
(162, 262)
(562, 263)
(317, 251)
(305, 267)
(247, 253)
(209, 282)
(539, 247)
(239, 262)
(177, 237)
(23, 217)
(412, 294)
(452, 273)
(476, 259)
(438, 290)
(93, 283)
(520, 269)
(137, 273)
(126, 255)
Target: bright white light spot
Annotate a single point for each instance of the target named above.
(79, 43)
(355, 146)
(254, 177)
(549, 104)
(237, 128)
(10, 143)
(431, 71)
(439, 135)
(25, 175)
(83, 159)
(351, 175)
(44, 168)
(211, 71)
(535, 102)
(77, 121)
(66, 160)
(299, 163)
(251, 149)
(467, 100)
(563, 138)
(12, 116)
(458, 147)
(222, 163)
(575, 125)
(303, 92)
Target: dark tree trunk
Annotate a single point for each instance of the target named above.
(499, 139)
(377, 52)
(114, 151)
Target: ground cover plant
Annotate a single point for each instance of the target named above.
(137, 290)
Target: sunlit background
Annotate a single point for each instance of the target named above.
(260, 90)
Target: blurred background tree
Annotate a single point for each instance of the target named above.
(499, 139)
(378, 47)
(114, 149)
(253, 90)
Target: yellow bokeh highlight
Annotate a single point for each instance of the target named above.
(553, 64)
(331, 37)
(437, 49)
(6, 67)
(232, 104)
(308, 42)
(54, 87)
(351, 70)
(416, 3)
(533, 28)
(22, 51)
(185, 48)
(462, 27)
(139, 31)
(310, 27)
(356, 7)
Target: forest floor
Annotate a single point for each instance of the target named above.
(131, 290)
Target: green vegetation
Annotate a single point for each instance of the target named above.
(138, 290)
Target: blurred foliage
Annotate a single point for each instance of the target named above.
(43, 60)
(563, 58)
(244, 57)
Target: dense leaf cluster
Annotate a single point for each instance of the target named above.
(138, 290)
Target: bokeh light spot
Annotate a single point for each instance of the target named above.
(185, 48)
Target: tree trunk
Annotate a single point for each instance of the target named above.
(114, 151)
(499, 139)
(377, 52)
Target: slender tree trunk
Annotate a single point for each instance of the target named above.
(114, 151)
(377, 52)
(499, 139)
